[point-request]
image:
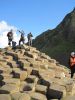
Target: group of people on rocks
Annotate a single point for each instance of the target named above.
(29, 36)
(22, 38)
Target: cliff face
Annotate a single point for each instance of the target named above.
(28, 74)
(59, 42)
(67, 26)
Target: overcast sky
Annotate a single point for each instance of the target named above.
(33, 16)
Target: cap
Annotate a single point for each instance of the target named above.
(72, 53)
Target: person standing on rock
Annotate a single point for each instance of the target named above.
(10, 37)
(29, 36)
(72, 64)
(22, 39)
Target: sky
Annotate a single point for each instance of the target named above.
(34, 16)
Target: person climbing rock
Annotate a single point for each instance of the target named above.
(72, 63)
(22, 39)
(29, 36)
(10, 37)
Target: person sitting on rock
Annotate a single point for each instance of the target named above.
(13, 45)
(29, 36)
(10, 37)
(22, 39)
(72, 63)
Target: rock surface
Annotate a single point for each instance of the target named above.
(28, 74)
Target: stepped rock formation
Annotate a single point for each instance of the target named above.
(28, 74)
(59, 42)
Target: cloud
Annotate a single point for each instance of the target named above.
(4, 28)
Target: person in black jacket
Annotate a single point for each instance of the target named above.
(10, 37)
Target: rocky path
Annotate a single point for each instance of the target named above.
(28, 74)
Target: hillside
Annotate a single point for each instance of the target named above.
(59, 42)
(28, 74)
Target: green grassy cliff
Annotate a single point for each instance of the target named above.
(59, 42)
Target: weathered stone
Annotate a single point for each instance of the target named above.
(8, 48)
(29, 87)
(31, 79)
(21, 52)
(13, 54)
(1, 71)
(52, 66)
(1, 77)
(12, 64)
(59, 81)
(23, 63)
(69, 98)
(5, 69)
(22, 84)
(16, 69)
(23, 47)
(31, 49)
(29, 54)
(56, 91)
(70, 87)
(15, 57)
(34, 64)
(41, 89)
(52, 61)
(21, 57)
(45, 77)
(5, 97)
(47, 74)
(3, 63)
(3, 60)
(9, 53)
(20, 96)
(24, 96)
(44, 82)
(2, 83)
(60, 75)
(35, 72)
(44, 66)
(15, 96)
(12, 81)
(37, 96)
(6, 76)
(35, 56)
(29, 70)
(54, 99)
(43, 55)
(36, 51)
(8, 58)
(9, 88)
(20, 74)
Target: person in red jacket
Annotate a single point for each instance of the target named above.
(72, 64)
